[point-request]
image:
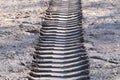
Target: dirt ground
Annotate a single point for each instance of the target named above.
(20, 22)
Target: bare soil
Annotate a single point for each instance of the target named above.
(20, 23)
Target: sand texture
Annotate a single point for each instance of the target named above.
(20, 23)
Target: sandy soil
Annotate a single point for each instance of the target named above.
(102, 26)
(20, 22)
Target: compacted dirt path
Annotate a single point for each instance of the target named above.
(20, 22)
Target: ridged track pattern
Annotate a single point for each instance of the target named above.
(60, 53)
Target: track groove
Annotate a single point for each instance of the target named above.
(60, 53)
